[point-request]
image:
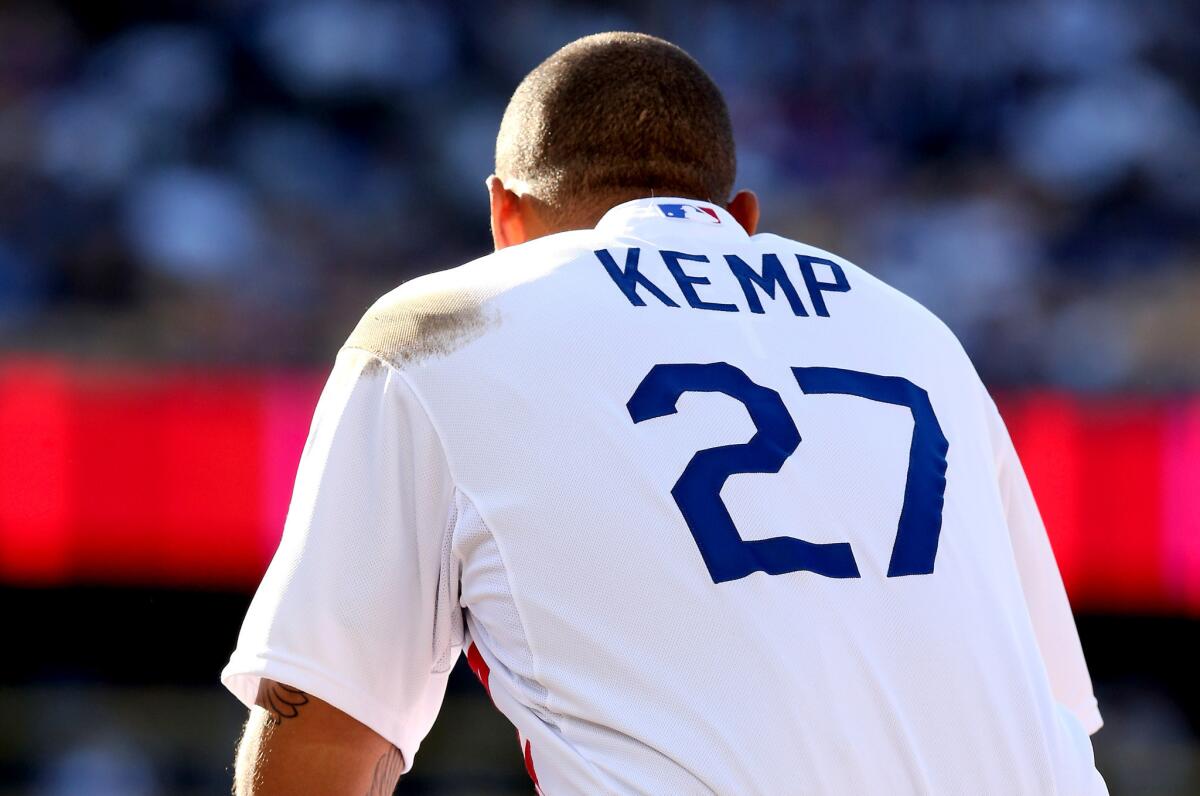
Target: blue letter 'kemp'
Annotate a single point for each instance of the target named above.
(628, 278)
(772, 275)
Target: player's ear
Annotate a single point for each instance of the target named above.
(744, 209)
(508, 226)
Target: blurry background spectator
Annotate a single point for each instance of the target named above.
(236, 181)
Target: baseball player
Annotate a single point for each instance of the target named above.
(709, 510)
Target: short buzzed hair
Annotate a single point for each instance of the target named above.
(616, 116)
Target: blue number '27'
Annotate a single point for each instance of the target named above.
(698, 490)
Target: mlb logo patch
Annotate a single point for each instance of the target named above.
(693, 212)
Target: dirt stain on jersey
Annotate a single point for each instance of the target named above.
(414, 329)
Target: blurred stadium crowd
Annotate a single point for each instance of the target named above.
(236, 181)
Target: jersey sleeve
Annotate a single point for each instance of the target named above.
(1053, 623)
(356, 608)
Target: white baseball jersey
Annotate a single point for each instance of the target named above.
(710, 513)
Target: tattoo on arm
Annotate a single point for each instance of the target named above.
(282, 702)
(279, 700)
(387, 773)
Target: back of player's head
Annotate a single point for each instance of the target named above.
(616, 116)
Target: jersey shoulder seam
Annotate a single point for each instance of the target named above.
(424, 409)
(420, 401)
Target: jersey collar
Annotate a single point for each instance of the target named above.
(671, 214)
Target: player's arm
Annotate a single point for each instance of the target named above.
(1049, 609)
(296, 743)
(346, 648)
